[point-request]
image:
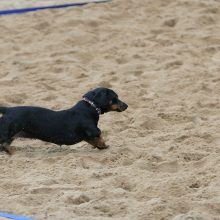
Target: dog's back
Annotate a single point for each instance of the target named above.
(39, 123)
(3, 110)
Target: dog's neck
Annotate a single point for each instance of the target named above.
(99, 111)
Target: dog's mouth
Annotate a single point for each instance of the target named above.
(121, 106)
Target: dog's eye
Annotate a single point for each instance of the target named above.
(114, 101)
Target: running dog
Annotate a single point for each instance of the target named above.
(66, 127)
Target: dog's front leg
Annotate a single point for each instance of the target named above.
(95, 138)
(98, 142)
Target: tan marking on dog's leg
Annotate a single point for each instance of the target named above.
(98, 142)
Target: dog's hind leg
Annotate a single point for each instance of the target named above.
(5, 141)
(7, 148)
(6, 135)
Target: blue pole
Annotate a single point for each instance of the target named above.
(25, 10)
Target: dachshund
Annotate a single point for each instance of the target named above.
(65, 127)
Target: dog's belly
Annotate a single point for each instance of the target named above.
(59, 138)
(64, 140)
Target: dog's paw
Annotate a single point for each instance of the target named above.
(10, 150)
(102, 147)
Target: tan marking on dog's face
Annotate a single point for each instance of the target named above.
(114, 107)
(117, 105)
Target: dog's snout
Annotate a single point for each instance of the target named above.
(122, 106)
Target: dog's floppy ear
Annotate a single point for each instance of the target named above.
(97, 93)
(101, 93)
(90, 95)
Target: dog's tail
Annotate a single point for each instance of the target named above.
(3, 110)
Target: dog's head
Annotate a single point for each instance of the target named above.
(106, 99)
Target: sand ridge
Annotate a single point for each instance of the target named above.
(162, 57)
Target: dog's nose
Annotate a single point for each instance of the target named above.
(123, 106)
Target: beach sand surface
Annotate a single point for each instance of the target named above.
(163, 59)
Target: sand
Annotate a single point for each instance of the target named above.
(163, 59)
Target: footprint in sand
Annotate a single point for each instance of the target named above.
(138, 73)
(88, 162)
(170, 22)
(139, 43)
(174, 64)
(122, 60)
(175, 118)
(77, 199)
(189, 157)
(123, 183)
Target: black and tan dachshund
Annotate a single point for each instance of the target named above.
(66, 127)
